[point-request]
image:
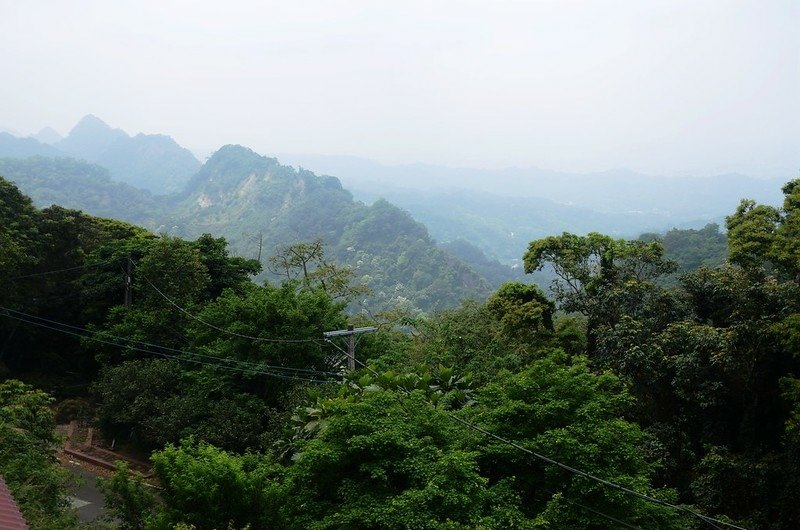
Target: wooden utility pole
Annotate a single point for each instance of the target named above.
(350, 333)
(129, 283)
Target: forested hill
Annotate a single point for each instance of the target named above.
(502, 226)
(254, 201)
(692, 249)
(79, 185)
(500, 210)
(250, 198)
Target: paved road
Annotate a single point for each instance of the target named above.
(86, 498)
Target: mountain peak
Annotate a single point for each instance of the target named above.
(90, 137)
(230, 160)
(235, 150)
(93, 124)
(234, 158)
(92, 119)
(47, 135)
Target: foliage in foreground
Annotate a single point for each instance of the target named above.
(692, 388)
(27, 457)
(388, 452)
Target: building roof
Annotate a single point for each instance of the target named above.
(10, 516)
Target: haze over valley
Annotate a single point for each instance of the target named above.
(498, 211)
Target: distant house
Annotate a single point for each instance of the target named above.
(10, 516)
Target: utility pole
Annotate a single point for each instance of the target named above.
(129, 283)
(350, 333)
(351, 350)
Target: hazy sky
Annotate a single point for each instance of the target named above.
(670, 87)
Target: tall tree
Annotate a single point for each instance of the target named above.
(304, 264)
(764, 237)
(600, 277)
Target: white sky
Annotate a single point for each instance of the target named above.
(669, 87)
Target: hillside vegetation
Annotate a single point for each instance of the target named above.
(239, 192)
(255, 202)
(500, 210)
(82, 186)
(615, 402)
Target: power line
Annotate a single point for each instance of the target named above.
(704, 518)
(127, 343)
(29, 319)
(212, 326)
(165, 355)
(351, 333)
(167, 348)
(594, 511)
(597, 512)
(175, 357)
(45, 273)
(709, 520)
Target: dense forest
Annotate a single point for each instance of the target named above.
(616, 399)
(256, 203)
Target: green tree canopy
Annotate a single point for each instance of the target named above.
(764, 236)
(27, 456)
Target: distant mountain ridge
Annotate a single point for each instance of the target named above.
(614, 191)
(500, 211)
(48, 136)
(151, 162)
(90, 138)
(241, 195)
(247, 197)
(15, 147)
(82, 186)
(502, 227)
